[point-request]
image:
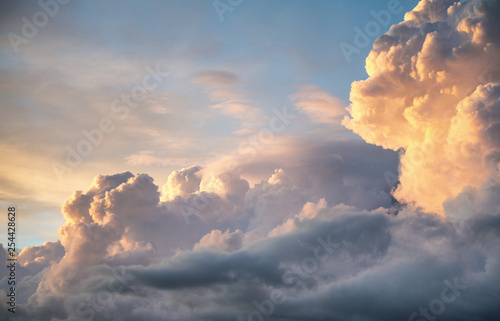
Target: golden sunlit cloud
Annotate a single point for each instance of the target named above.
(430, 94)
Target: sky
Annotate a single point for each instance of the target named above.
(251, 160)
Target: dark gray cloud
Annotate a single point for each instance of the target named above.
(340, 264)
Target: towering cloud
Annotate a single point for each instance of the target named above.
(431, 95)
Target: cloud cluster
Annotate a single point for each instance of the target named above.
(432, 95)
(317, 238)
(124, 220)
(335, 263)
(126, 254)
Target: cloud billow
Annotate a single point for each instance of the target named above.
(332, 249)
(431, 85)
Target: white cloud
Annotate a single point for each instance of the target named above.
(427, 94)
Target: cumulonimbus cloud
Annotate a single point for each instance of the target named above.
(431, 95)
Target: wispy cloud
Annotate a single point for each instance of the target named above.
(221, 87)
(318, 105)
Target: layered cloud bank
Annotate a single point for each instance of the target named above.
(270, 251)
(431, 94)
(321, 238)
